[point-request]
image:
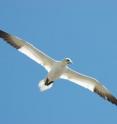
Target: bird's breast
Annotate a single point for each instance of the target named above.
(56, 72)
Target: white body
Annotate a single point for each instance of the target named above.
(56, 71)
(54, 74)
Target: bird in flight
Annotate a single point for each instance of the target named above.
(57, 69)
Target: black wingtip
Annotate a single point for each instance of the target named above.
(106, 95)
(4, 35)
(9, 39)
(112, 99)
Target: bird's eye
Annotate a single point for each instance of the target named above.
(67, 60)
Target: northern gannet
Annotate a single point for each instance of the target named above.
(57, 69)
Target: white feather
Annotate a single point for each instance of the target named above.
(44, 87)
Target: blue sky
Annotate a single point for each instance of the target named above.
(85, 31)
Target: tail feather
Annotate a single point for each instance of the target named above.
(44, 87)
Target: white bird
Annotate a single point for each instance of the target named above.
(57, 69)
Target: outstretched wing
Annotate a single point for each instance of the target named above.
(89, 83)
(28, 49)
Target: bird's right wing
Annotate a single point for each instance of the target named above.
(89, 83)
(29, 50)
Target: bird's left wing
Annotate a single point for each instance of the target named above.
(89, 83)
(28, 49)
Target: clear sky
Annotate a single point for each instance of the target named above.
(85, 31)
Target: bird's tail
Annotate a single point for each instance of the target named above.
(44, 87)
